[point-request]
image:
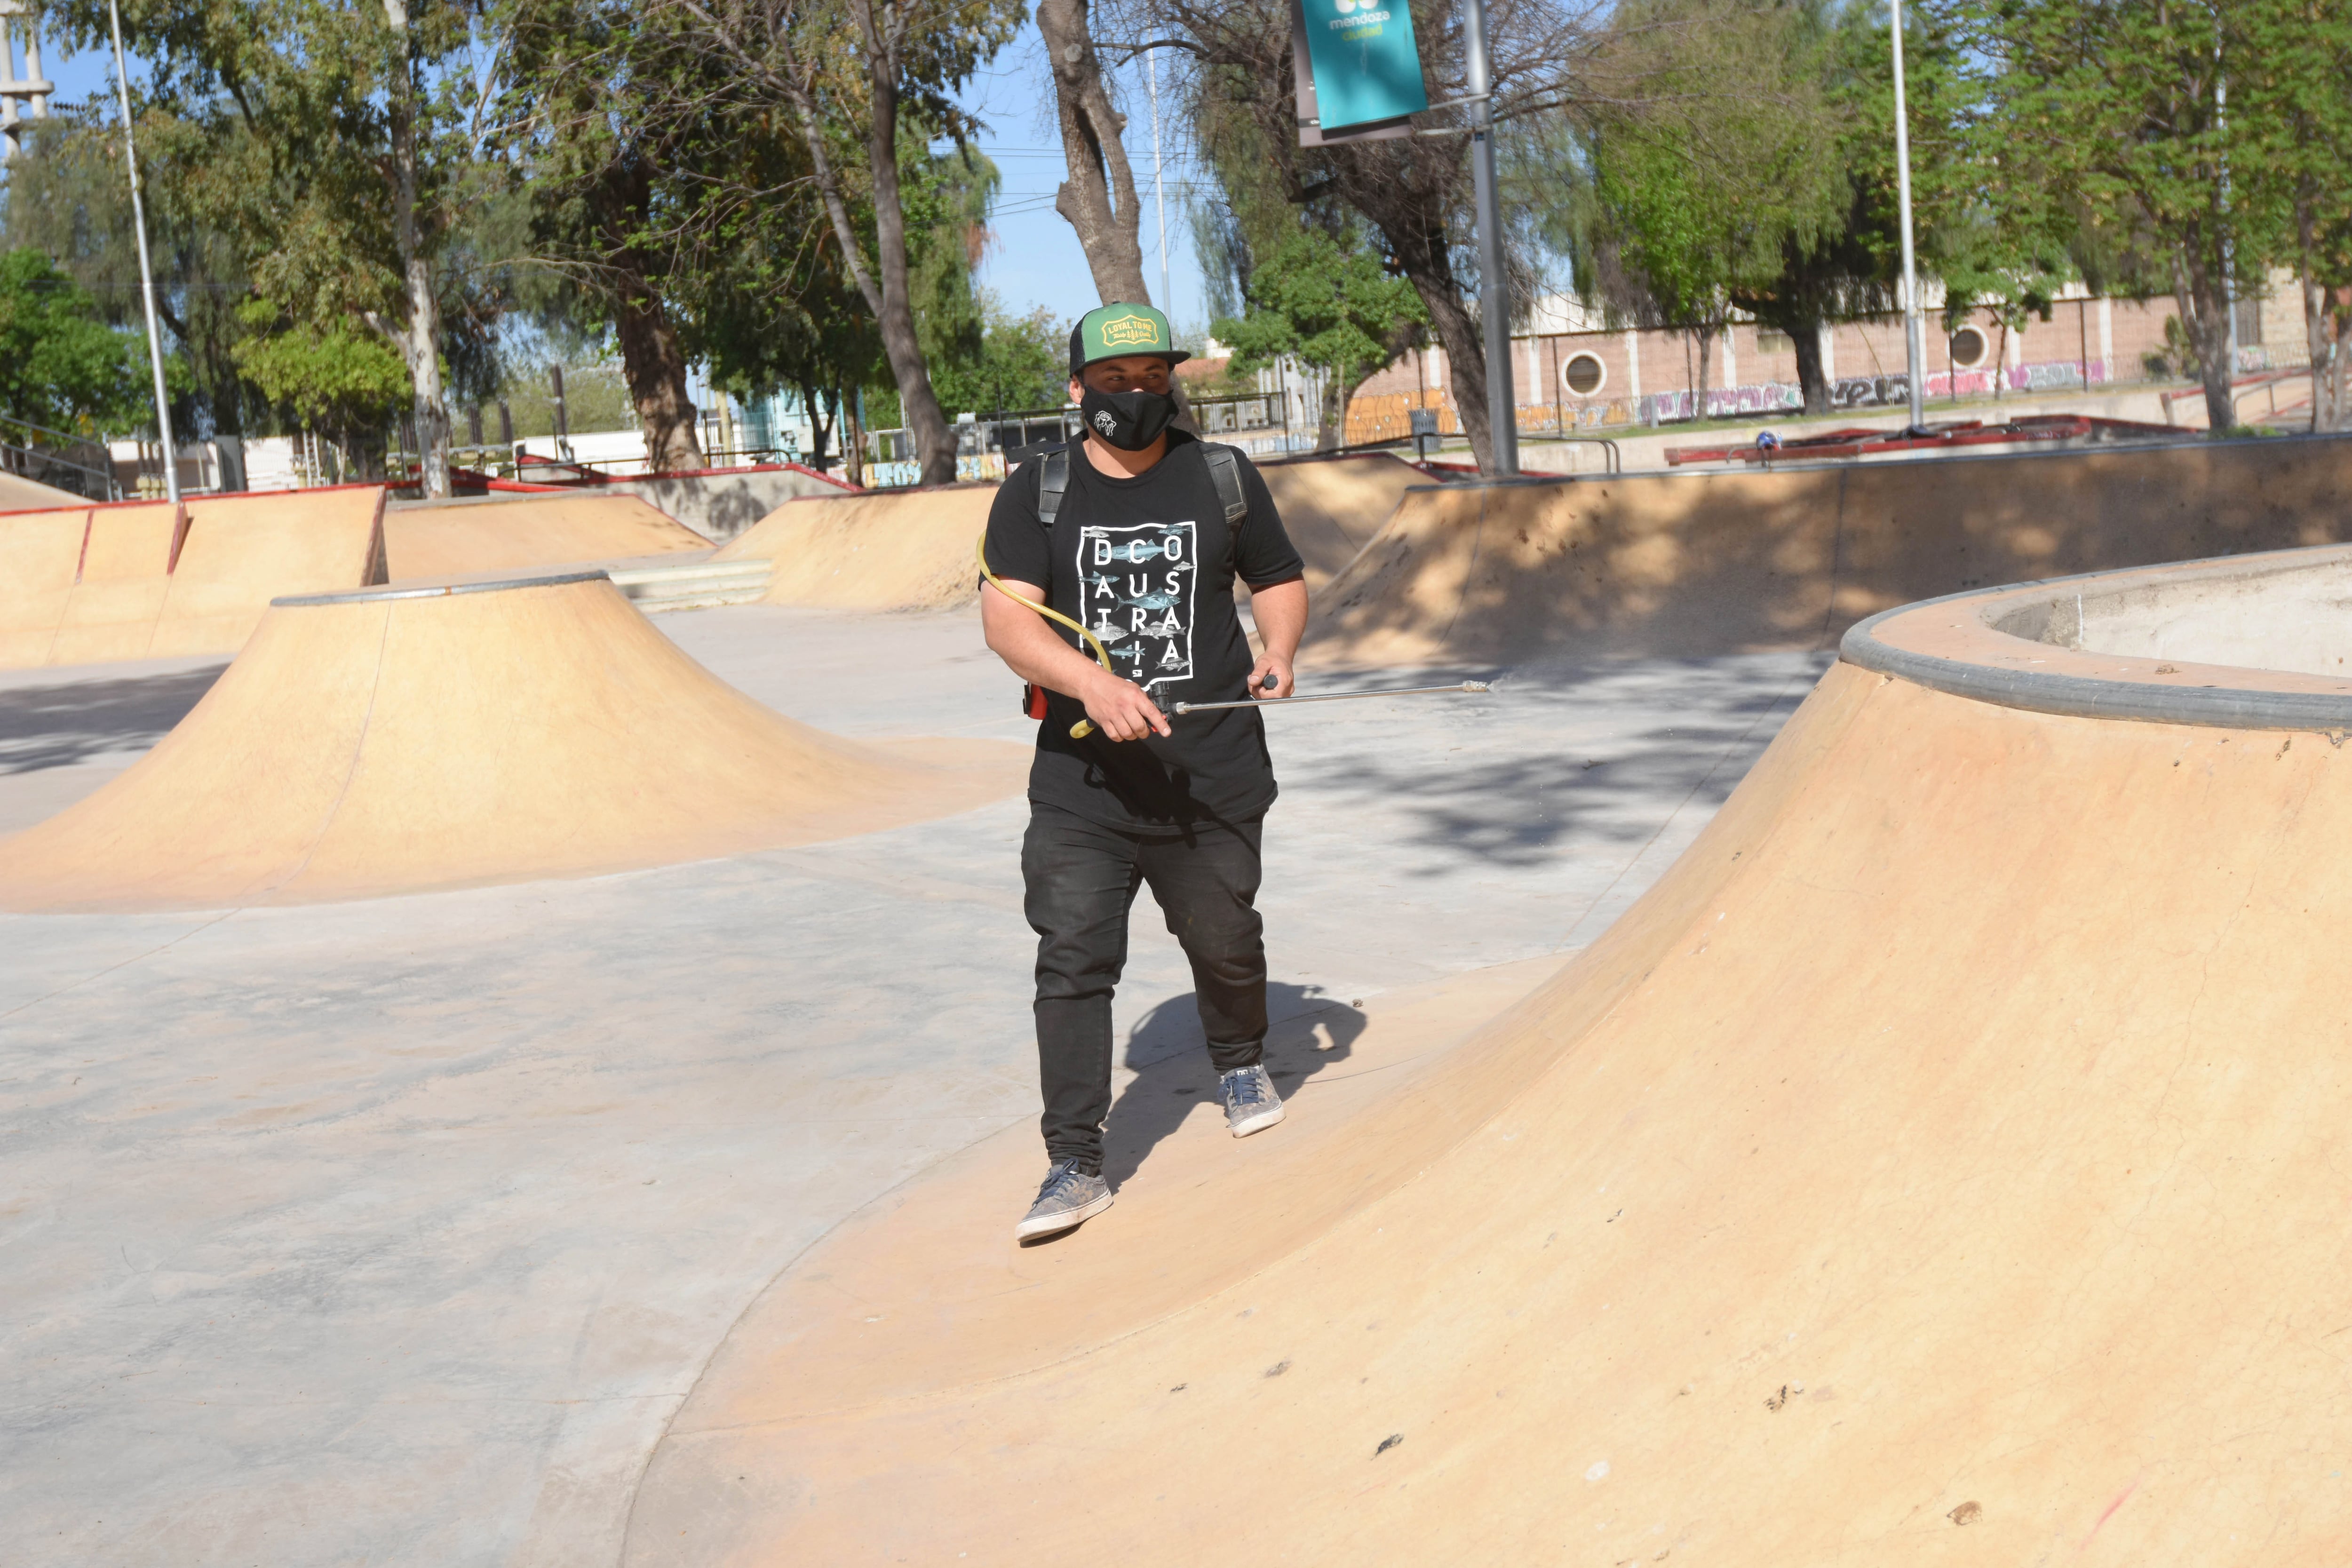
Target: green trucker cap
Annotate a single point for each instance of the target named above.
(1118, 329)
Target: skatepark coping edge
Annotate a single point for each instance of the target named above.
(436, 591)
(1974, 645)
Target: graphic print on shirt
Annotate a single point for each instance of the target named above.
(1137, 588)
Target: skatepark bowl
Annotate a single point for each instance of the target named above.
(1941, 1163)
(395, 1229)
(1925, 1151)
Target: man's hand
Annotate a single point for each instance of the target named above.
(1119, 708)
(1275, 664)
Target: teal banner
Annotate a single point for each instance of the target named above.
(1366, 66)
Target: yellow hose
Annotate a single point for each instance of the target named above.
(1084, 727)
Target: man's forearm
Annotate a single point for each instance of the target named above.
(1280, 611)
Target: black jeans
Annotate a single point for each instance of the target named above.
(1081, 878)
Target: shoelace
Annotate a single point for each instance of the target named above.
(1058, 1180)
(1241, 1088)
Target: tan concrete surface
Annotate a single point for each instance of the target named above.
(883, 550)
(912, 550)
(394, 1231)
(2275, 622)
(1936, 1165)
(510, 533)
(92, 584)
(385, 743)
(1331, 506)
(1700, 563)
(20, 494)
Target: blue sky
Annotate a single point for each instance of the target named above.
(1035, 260)
(78, 76)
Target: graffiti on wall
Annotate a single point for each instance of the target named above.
(2049, 375)
(1388, 418)
(1724, 402)
(1536, 418)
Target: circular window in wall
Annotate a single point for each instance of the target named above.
(1969, 347)
(1583, 374)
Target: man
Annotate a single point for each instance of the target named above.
(1139, 533)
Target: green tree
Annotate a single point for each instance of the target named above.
(2013, 271)
(616, 139)
(1852, 264)
(2294, 105)
(330, 144)
(65, 196)
(1024, 364)
(850, 78)
(1333, 308)
(61, 366)
(2117, 111)
(761, 297)
(1700, 181)
(339, 380)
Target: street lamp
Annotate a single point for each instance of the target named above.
(1493, 284)
(1914, 333)
(146, 271)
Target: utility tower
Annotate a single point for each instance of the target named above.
(31, 90)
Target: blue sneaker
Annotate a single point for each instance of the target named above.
(1068, 1199)
(1251, 1104)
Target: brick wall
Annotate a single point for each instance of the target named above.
(1642, 374)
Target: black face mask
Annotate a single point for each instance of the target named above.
(1128, 420)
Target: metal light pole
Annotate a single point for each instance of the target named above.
(1493, 284)
(1159, 189)
(146, 271)
(1914, 343)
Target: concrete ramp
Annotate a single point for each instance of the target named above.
(1679, 564)
(524, 532)
(1332, 507)
(18, 493)
(878, 549)
(389, 742)
(146, 580)
(912, 550)
(1940, 1165)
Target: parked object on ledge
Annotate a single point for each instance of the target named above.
(2074, 429)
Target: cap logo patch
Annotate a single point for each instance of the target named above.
(1129, 330)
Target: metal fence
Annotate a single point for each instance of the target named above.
(990, 446)
(58, 459)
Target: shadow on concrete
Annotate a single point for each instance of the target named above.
(74, 721)
(1519, 810)
(1169, 1057)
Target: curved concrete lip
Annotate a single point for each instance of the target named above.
(438, 590)
(2243, 642)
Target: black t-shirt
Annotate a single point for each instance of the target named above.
(1147, 564)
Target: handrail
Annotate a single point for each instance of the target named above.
(112, 492)
(60, 435)
(2252, 382)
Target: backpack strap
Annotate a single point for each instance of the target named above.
(1052, 479)
(1225, 473)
